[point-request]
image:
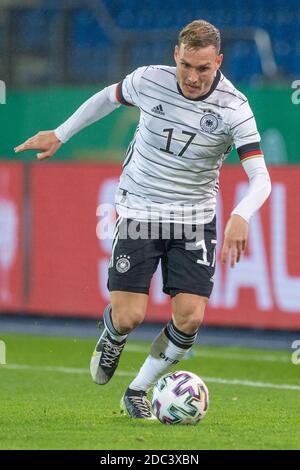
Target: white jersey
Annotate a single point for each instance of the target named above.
(172, 165)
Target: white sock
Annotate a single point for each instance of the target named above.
(113, 333)
(168, 348)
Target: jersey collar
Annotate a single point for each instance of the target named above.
(203, 97)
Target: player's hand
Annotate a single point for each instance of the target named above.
(46, 141)
(235, 239)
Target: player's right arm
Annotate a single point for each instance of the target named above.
(46, 141)
(95, 108)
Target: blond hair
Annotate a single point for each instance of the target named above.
(199, 34)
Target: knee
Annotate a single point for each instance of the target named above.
(189, 319)
(189, 324)
(188, 312)
(126, 320)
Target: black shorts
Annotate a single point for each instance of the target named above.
(187, 254)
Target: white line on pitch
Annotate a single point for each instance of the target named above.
(221, 355)
(219, 380)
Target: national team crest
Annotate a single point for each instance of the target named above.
(209, 123)
(123, 263)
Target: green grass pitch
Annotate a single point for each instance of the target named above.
(48, 401)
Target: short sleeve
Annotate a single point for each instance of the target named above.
(244, 132)
(128, 90)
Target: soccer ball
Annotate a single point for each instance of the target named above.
(180, 398)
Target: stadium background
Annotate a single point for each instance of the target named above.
(55, 54)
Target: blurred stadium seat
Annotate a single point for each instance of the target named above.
(119, 32)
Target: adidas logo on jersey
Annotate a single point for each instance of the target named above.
(158, 110)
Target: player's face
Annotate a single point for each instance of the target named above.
(196, 69)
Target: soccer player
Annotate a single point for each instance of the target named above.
(190, 117)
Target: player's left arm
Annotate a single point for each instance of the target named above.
(246, 138)
(236, 231)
